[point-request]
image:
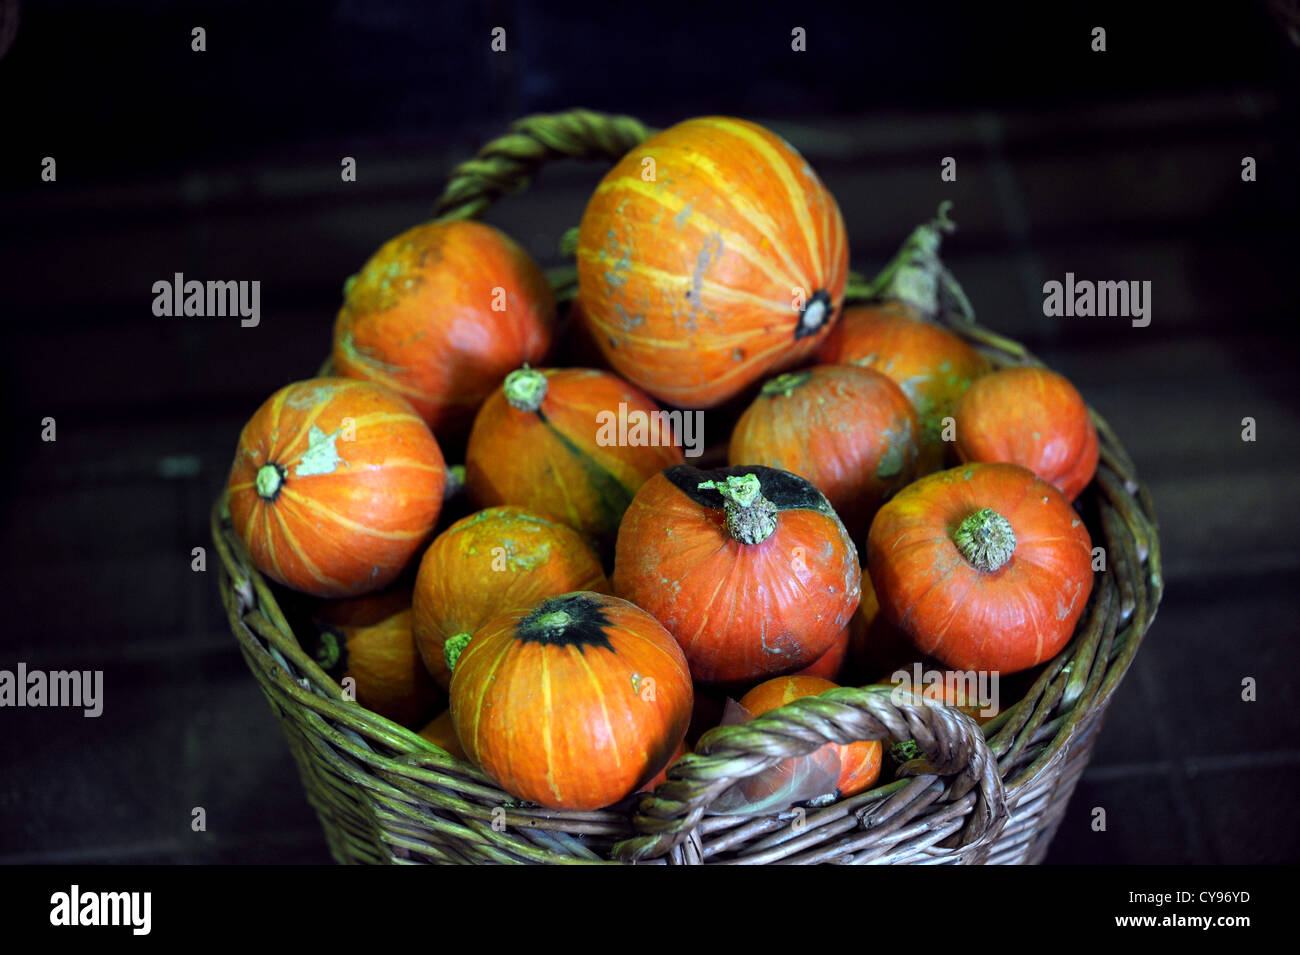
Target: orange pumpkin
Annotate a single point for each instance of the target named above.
(441, 314)
(441, 733)
(499, 559)
(1031, 417)
(850, 431)
(574, 704)
(983, 566)
(549, 440)
(932, 365)
(859, 762)
(368, 640)
(335, 487)
(729, 261)
(830, 664)
(749, 568)
(949, 687)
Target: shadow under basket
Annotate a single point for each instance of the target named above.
(979, 795)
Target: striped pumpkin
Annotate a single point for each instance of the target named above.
(441, 314)
(336, 484)
(549, 440)
(721, 260)
(574, 704)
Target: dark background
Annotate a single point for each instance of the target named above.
(225, 165)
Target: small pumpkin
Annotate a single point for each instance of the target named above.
(983, 566)
(932, 365)
(727, 264)
(336, 485)
(830, 664)
(549, 440)
(574, 704)
(441, 733)
(949, 687)
(859, 762)
(749, 568)
(850, 431)
(496, 560)
(1032, 417)
(368, 640)
(441, 314)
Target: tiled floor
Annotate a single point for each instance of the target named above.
(98, 527)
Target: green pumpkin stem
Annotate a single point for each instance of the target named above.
(916, 276)
(269, 480)
(751, 518)
(525, 388)
(986, 539)
(785, 385)
(453, 648)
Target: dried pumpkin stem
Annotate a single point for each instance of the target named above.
(525, 388)
(986, 539)
(269, 479)
(751, 518)
(453, 648)
(917, 276)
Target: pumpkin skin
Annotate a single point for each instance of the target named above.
(859, 762)
(551, 459)
(419, 318)
(687, 281)
(1031, 417)
(336, 485)
(649, 787)
(441, 733)
(830, 664)
(498, 559)
(555, 704)
(741, 611)
(369, 640)
(876, 647)
(932, 365)
(850, 431)
(1007, 608)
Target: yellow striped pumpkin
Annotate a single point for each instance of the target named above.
(336, 485)
(709, 256)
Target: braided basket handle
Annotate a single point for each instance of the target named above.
(953, 742)
(508, 163)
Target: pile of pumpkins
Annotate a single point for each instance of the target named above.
(585, 618)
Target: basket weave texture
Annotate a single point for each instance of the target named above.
(991, 794)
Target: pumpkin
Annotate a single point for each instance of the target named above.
(830, 664)
(682, 750)
(932, 365)
(368, 640)
(749, 568)
(551, 441)
(1032, 417)
(859, 762)
(495, 560)
(441, 733)
(850, 431)
(876, 647)
(727, 261)
(983, 566)
(949, 687)
(574, 704)
(441, 314)
(335, 487)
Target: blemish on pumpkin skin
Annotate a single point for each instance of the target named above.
(321, 456)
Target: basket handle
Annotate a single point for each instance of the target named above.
(953, 742)
(508, 163)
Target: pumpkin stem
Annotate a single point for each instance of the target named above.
(455, 482)
(785, 385)
(269, 481)
(917, 276)
(329, 650)
(525, 388)
(751, 518)
(985, 539)
(453, 648)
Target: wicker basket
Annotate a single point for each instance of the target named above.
(980, 795)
